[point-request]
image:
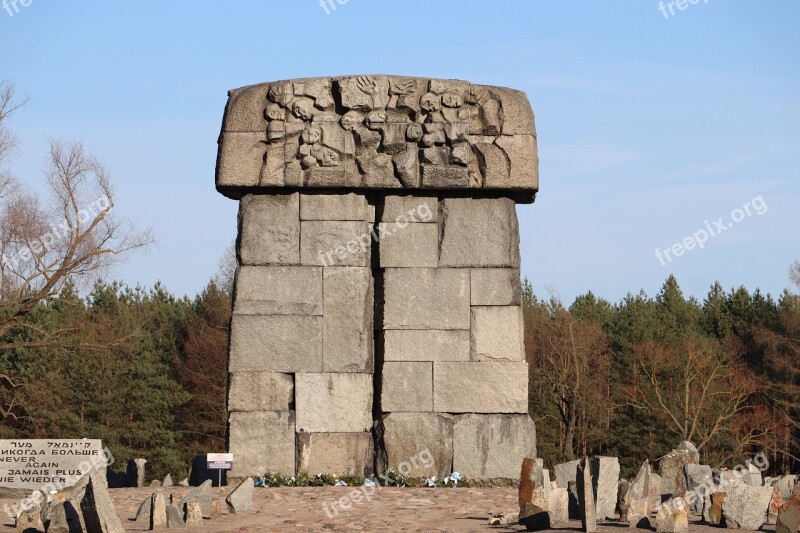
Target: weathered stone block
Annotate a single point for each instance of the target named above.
(278, 290)
(240, 500)
(566, 473)
(534, 483)
(347, 324)
(412, 208)
(410, 245)
(474, 387)
(275, 343)
(586, 499)
(490, 446)
(426, 298)
(335, 453)
(260, 391)
(422, 443)
(350, 206)
(269, 228)
(407, 386)
(262, 442)
(671, 469)
(240, 159)
(744, 506)
(426, 345)
(239, 113)
(672, 517)
(559, 506)
(479, 232)
(333, 403)
(521, 152)
(497, 334)
(495, 286)
(605, 472)
(335, 243)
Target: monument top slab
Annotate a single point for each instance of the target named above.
(378, 132)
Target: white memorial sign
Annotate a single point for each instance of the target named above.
(52, 464)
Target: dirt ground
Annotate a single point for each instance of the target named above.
(385, 509)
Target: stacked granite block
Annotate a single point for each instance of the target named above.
(301, 353)
(378, 251)
(455, 380)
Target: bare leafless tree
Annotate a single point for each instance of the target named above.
(794, 273)
(570, 360)
(699, 388)
(70, 235)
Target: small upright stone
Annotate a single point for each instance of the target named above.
(534, 517)
(788, 518)
(712, 512)
(174, 517)
(655, 492)
(745, 507)
(135, 472)
(203, 496)
(213, 510)
(192, 514)
(158, 511)
(99, 514)
(588, 514)
(671, 468)
(559, 506)
(673, 517)
(697, 478)
(605, 471)
(566, 473)
(30, 520)
(689, 446)
(636, 502)
(167, 481)
(533, 488)
(143, 512)
(63, 518)
(240, 500)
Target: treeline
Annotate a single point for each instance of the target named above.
(146, 372)
(635, 378)
(140, 369)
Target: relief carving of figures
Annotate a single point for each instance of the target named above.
(378, 131)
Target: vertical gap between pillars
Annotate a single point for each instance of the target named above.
(380, 459)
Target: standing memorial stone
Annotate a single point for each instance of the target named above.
(99, 514)
(135, 472)
(240, 500)
(391, 199)
(605, 474)
(47, 465)
(586, 501)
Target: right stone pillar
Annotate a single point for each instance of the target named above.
(454, 376)
(378, 317)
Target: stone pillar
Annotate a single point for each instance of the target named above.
(377, 310)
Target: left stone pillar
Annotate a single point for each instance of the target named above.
(301, 348)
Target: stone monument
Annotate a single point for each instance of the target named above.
(377, 308)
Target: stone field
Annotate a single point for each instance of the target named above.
(391, 509)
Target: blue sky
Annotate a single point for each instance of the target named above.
(649, 127)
